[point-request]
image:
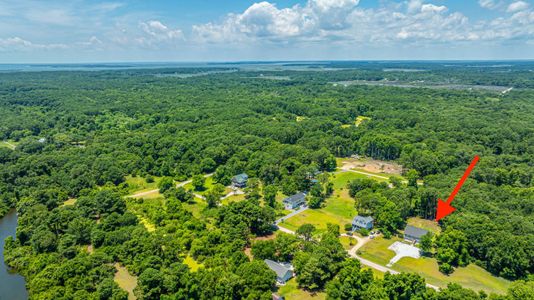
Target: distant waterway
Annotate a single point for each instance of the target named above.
(12, 285)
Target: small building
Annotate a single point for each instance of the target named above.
(414, 234)
(240, 180)
(284, 271)
(295, 201)
(278, 297)
(360, 222)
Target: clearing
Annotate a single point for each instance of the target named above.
(125, 281)
(290, 291)
(140, 185)
(429, 225)
(472, 276)
(372, 166)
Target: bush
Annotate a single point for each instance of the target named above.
(348, 227)
(364, 231)
(446, 268)
(149, 179)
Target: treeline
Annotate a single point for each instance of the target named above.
(77, 132)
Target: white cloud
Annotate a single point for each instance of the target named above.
(517, 6)
(488, 4)
(157, 30)
(19, 44)
(431, 8)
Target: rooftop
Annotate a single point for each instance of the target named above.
(295, 198)
(414, 231)
(362, 221)
(280, 269)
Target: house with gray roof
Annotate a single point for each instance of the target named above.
(284, 271)
(360, 222)
(295, 201)
(240, 180)
(414, 234)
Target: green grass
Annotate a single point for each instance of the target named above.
(337, 210)
(472, 276)
(340, 180)
(207, 186)
(139, 184)
(377, 250)
(290, 291)
(347, 242)
(196, 207)
(125, 281)
(8, 144)
(192, 263)
(233, 198)
(425, 224)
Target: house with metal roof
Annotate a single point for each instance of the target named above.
(284, 271)
(360, 222)
(295, 201)
(414, 234)
(240, 180)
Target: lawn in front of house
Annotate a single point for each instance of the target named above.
(338, 211)
(290, 291)
(208, 184)
(472, 276)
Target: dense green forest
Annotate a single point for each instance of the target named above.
(79, 134)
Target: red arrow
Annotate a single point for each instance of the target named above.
(445, 208)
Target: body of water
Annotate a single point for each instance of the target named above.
(12, 285)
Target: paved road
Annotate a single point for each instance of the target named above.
(296, 212)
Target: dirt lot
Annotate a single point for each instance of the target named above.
(371, 165)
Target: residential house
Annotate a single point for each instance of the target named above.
(360, 222)
(295, 201)
(414, 234)
(284, 271)
(240, 180)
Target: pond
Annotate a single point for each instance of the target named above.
(12, 285)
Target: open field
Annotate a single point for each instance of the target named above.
(8, 144)
(337, 210)
(125, 281)
(472, 276)
(207, 186)
(139, 184)
(372, 166)
(233, 198)
(195, 207)
(429, 225)
(291, 292)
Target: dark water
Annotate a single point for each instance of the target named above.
(12, 286)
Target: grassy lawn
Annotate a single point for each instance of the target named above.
(196, 207)
(192, 263)
(347, 242)
(125, 281)
(425, 224)
(139, 184)
(69, 202)
(472, 276)
(340, 180)
(377, 250)
(207, 186)
(8, 144)
(290, 291)
(233, 198)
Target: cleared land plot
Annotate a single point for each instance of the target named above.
(425, 224)
(336, 211)
(195, 207)
(207, 186)
(472, 276)
(139, 184)
(125, 281)
(233, 198)
(7, 144)
(290, 291)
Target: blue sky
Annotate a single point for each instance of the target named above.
(33, 31)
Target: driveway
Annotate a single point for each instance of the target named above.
(294, 213)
